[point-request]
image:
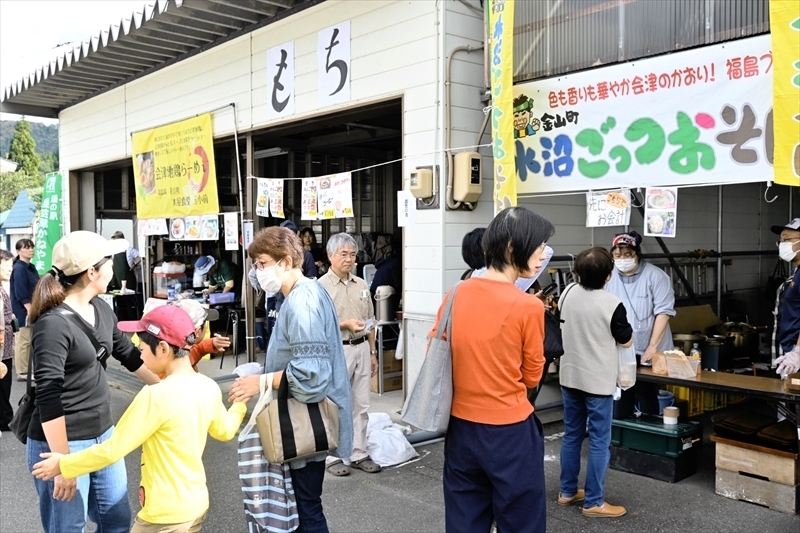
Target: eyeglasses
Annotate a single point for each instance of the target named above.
(259, 265)
(346, 255)
(102, 262)
(623, 255)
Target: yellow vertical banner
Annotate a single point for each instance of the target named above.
(173, 167)
(784, 22)
(501, 60)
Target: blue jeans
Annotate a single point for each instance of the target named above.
(580, 408)
(307, 482)
(102, 495)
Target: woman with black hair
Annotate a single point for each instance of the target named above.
(494, 448)
(472, 251)
(23, 279)
(73, 401)
(595, 323)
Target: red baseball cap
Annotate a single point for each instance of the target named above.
(168, 323)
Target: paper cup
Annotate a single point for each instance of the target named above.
(671, 415)
(123, 284)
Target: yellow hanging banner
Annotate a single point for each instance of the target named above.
(174, 170)
(501, 60)
(784, 22)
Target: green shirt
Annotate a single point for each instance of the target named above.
(223, 274)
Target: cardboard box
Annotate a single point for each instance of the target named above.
(389, 384)
(390, 364)
(693, 318)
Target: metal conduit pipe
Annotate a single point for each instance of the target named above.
(448, 195)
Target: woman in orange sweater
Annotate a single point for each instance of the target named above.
(494, 448)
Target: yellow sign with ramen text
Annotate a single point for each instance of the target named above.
(174, 170)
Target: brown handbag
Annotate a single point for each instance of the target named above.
(292, 430)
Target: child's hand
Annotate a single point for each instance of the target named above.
(220, 343)
(49, 468)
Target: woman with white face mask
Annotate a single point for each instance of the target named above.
(306, 345)
(789, 321)
(649, 299)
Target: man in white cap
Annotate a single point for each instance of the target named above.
(788, 322)
(221, 274)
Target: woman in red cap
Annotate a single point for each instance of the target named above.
(649, 299)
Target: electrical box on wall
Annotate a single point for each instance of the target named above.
(467, 177)
(420, 183)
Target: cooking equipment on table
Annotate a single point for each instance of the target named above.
(717, 352)
(684, 341)
(745, 338)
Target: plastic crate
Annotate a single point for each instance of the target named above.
(648, 433)
(692, 396)
(713, 401)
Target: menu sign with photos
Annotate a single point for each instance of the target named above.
(609, 208)
(660, 211)
(308, 199)
(276, 198)
(194, 228)
(262, 197)
(231, 221)
(335, 196)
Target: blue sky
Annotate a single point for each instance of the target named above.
(32, 30)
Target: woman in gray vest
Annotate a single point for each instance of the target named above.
(595, 323)
(649, 299)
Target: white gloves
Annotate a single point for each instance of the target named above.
(788, 363)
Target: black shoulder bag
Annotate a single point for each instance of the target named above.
(553, 344)
(22, 417)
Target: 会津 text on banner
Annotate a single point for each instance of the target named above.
(173, 166)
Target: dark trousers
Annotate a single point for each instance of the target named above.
(643, 393)
(307, 482)
(6, 411)
(494, 473)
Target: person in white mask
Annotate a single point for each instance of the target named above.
(789, 321)
(649, 299)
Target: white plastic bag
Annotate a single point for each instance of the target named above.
(386, 443)
(626, 377)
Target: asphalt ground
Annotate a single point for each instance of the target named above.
(408, 498)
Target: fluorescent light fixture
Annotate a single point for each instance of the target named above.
(269, 152)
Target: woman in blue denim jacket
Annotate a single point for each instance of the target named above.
(306, 345)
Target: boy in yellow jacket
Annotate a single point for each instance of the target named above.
(170, 420)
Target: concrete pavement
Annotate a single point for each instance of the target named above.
(409, 498)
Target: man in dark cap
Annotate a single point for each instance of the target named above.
(787, 323)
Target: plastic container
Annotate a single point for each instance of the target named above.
(665, 399)
(648, 433)
(693, 397)
(695, 352)
(171, 293)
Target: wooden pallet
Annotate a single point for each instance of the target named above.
(757, 474)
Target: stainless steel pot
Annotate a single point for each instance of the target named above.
(745, 338)
(684, 342)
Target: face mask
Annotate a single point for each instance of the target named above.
(625, 264)
(269, 280)
(786, 252)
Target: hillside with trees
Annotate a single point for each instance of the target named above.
(46, 137)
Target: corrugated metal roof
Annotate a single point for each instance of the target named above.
(168, 32)
(22, 213)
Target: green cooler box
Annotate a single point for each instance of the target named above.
(648, 433)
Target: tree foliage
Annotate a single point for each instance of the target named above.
(15, 182)
(49, 162)
(23, 149)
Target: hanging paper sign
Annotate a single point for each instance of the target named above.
(701, 116)
(660, 211)
(230, 221)
(608, 209)
(280, 80)
(262, 197)
(276, 198)
(333, 61)
(308, 199)
(406, 209)
(336, 196)
(174, 170)
(209, 228)
(153, 226)
(248, 233)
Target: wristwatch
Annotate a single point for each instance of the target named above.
(373, 352)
